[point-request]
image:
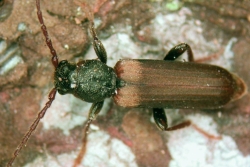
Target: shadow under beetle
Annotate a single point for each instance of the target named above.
(155, 84)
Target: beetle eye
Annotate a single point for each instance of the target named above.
(62, 91)
(65, 70)
(62, 63)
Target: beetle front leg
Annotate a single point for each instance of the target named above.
(98, 46)
(178, 50)
(94, 110)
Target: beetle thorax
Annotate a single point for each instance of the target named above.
(90, 80)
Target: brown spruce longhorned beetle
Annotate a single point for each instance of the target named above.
(153, 84)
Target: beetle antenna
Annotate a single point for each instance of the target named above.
(54, 58)
(52, 93)
(40, 115)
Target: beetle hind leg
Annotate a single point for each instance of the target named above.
(161, 121)
(178, 50)
(159, 113)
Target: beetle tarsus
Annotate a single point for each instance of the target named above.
(179, 126)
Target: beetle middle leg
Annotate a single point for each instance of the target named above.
(159, 113)
(178, 50)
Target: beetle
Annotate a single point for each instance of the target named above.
(155, 84)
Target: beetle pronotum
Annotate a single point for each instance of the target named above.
(153, 84)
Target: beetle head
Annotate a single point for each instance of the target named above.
(62, 73)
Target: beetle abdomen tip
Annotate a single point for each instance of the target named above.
(240, 88)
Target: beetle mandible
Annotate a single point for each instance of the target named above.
(155, 84)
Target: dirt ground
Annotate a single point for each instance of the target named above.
(26, 72)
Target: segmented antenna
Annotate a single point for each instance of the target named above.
(52, 93)
(54, 58)
(40, 115)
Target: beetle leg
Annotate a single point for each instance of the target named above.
(98, 46)
(178, 50)
(161, 121)
(159, 113)
(160, 118)
(94, 110)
